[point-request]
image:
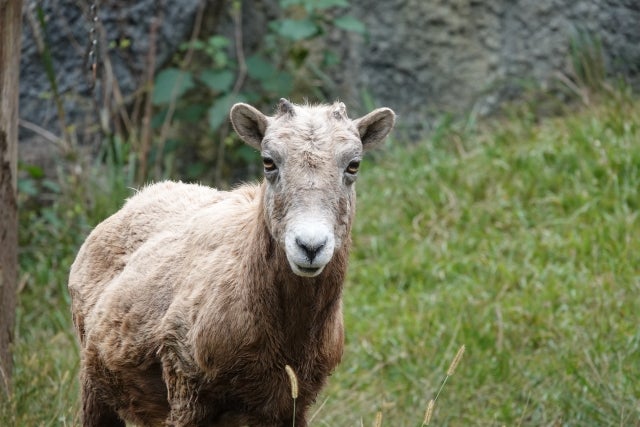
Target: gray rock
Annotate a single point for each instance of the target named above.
(66, 36)
(424, 58)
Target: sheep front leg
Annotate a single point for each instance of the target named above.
(243, 420)
(95, 412)
(182, 395)
(182, 401)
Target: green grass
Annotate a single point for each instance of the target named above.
(46, 361)
(523, 243)
(520, 240)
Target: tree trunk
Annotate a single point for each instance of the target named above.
(10, 33)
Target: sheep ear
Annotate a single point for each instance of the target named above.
(249, 123)
(375, 126)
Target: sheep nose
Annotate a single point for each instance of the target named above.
(310, 247)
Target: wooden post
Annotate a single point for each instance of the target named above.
(10, 35)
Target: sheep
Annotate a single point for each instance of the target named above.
(189, 302)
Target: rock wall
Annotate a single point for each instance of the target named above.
(421, 58)
(428, 57)
(65, 36)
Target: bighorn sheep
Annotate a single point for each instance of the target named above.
(189, 302)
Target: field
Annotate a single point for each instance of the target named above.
(518, 237)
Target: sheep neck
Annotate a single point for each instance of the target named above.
(301, 307)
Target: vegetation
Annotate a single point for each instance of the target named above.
(515, 241)
(518, 240)
(192, 96)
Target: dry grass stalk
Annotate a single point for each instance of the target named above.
(429, 412)
(452, 368)
(293, 380)
(378, 421)
(456, 361)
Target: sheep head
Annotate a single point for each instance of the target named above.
(311, 156)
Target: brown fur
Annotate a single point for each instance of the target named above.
(187, 309)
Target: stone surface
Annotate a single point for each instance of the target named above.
(422, 58)
(66, 36)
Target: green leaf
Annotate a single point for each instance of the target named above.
(311, 5)
(171, 145)
(270, 78)
(350, 23)
(247, 154)
(158, 119)
(294, 29)
(259, 68)
(219, 110)
(279, 84)
(51, 185)
(218, 42)
(325, 4)
(286, 3)
(219, 81)
(196, 170)
(330, 59)
(298, 55)
(27, 186)
(191, 113)
(171, 83)
(34, 171)
(195, 45)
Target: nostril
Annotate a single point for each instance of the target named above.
(311, 249)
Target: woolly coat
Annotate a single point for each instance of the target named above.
(188, 312)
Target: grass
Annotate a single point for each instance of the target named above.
(519, 240)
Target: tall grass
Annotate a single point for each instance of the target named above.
(520, 240)
(46, 358)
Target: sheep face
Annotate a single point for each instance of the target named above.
(311, 156)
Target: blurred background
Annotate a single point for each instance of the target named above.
(167, 72)
(503, 215)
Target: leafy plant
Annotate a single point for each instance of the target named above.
(196, 99)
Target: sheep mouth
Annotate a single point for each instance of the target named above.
(306, 271)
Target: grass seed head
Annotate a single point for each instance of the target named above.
(378, 421)
(429, 412)
(293, 380)
(456, 360)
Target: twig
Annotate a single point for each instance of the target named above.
(37, 26)
(145, 133)
(164, 130)
(584, 96)
(5, 381)
(46, 134)
(112, 93)
(236, 16)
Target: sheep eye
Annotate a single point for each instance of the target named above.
(353, 167)
(269, 164)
